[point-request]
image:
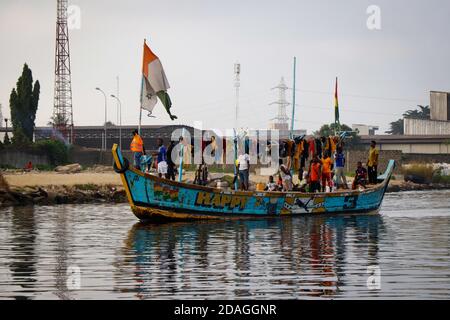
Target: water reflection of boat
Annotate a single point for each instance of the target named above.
(152, 198)
(309, 256)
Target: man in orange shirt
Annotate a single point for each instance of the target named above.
(326, 172)
(137, 147)
(314, 175)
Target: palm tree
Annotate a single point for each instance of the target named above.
(422, 113)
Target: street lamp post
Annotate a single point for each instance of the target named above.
(120, 119)
(6, 133)
(106, 113)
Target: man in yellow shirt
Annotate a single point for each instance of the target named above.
(372, 163)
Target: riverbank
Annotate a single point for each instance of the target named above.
(51, 188)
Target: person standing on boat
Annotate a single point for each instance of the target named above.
(244, 170)
(314, 174)
(339, 165)
(137, 147)
(372, 163)
(171, 168)
(326, 172)
(162, 159)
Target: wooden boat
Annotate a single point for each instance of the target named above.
(155, 199)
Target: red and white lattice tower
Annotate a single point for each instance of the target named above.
(62, 108)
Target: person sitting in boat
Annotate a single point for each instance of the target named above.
(303, 183)
(360, 176)
(285, 176)
(162, 158)
(244, 170)
(137, 147)
(146, 163)
(201, 175)
(279, 183)
(271, 185)
(314, 174)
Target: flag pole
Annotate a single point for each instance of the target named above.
(336, 109)
(140, 121)
(180, 177)
(293, 99)
(142, 90)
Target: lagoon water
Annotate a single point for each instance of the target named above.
(102, 252)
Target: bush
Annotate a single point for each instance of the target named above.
(57, 151)
(439, 178)
(423, 172)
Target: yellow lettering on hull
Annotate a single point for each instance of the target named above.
(221, 201)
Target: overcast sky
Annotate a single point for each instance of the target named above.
(382, 72)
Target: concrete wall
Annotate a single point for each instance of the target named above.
(440, 106)
(426, 127)
(353, 156)
(90, 157)
(18, 159)
(432, 148)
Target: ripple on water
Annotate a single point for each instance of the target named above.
(303, 258)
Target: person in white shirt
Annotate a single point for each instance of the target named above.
(271, 186)
(244, 169)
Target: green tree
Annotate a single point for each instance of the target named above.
(397, 127)
(352, 140)
(329, 130)
(23, 101)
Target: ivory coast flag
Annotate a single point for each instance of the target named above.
(336, 104)
(154, 83)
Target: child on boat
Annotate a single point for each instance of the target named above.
(360, 177)
(314, 174)
(326, 172)
(271, 185)
(280, 183)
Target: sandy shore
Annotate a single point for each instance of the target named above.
(44, 179)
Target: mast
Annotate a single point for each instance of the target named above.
(237, 84)
(293, 99)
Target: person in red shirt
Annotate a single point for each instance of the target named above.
(29, 166)
(314, 175)
(326, 172)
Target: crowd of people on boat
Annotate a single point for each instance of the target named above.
(325, 171)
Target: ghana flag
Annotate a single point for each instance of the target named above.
(154, 83)
(336, 104)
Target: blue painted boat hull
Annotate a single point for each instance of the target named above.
(155, 199)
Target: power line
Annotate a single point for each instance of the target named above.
(362, 96)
